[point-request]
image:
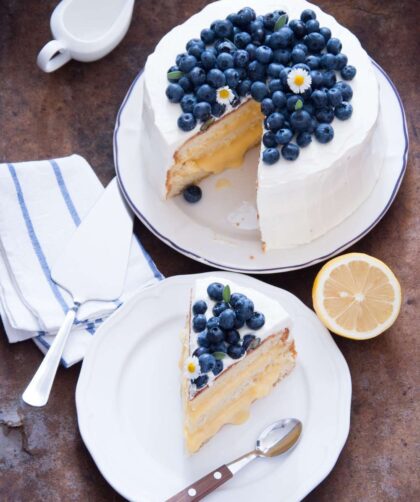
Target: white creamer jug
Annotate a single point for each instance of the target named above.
(85, 30)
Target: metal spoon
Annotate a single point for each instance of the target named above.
(274, 440)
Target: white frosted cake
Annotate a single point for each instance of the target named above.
(297, 200)
(237, 346)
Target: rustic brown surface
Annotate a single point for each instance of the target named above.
(42, 456)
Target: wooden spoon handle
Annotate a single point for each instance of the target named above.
(203, 486)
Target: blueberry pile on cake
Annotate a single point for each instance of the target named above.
(236, 347)
(284, 75)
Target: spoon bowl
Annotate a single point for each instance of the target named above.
(279, 437)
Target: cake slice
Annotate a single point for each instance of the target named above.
(237, 346)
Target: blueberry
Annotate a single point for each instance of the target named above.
(197, 76)
(346, 90)
(232, 78)
(329, 78)
(194, 41)
(343, 111)
(291, 102)
(199, 307)
(215, 291)
(219, 307)
(223, 29)
(200, 350)
(340, 61)
(185, 83)
(224, 61)
(196, 50)
(312, 26)
(227, 319)
(348, 72)
(275, 85)
(298, 55)
(240, 58)
(258, 91)
(244, 308)
(216, 78)
(179, 57)
(219, 347)
(217, 109)
(315, 42)
(298, 27)
(314, 125)
(245, 16)
(188, 102)
(234, 297)
(192, 193)
(206, 93)
(202, 111)
(187, 63)
(264, 54)
(303, 138)
(313, 62)
(218, 367)
(200, 381)
(284, 36)
(199, 323)
(300, 120)
(275, 121)
(251, 49)
(271, 18)
(334, 46)
(250, 342)
(213, 322)
(257, 24)
(207, 362)
(208, 60)
(174, 92)
(303, 66)
(214, 335)
(325, 115)
(244, 87)
(279, 99)
(173, 80)
(274, 70)
(309, 107)
(236, 351)
(226, 46)
(203, 340)
(270, 155)
(328, 61)
(232, 336)
(319, 98)
(324, 133)
(256, 70)
(317, 79)
(239, 322)
(326, 33)
(242, 39)
(283, 76)
(335, 97)
(267, 106)
(282, 56)
(283, 136)
(207, 36)
(187, 122)
(289, 152)
(307, 14)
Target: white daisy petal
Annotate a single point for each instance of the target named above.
(224, 95)
(192, 368)
(299, 80)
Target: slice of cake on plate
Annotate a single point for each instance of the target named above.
(237, 346)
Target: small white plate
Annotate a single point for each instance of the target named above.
(129, 406)
(222, 230)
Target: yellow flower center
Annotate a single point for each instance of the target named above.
(191, 367)
(224, 93)
(299, 79)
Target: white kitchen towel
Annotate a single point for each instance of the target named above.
(41, 205)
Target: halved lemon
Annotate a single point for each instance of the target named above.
(356, 296)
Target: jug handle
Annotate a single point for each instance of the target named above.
(53, 55)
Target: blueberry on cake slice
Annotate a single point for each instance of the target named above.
(236, 347)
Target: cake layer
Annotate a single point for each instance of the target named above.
(296, 201)
(230, 398)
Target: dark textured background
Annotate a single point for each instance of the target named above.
(42, 457)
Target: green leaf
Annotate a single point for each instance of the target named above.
(175, 75)
(207, 124)
(281, 21)
(226, 293)
(299, 104)
(219, 355)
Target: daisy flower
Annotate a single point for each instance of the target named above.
(192, 368)
(224, 95)
(299, 80)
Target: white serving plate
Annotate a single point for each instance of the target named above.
(129, 406)
(221, 230)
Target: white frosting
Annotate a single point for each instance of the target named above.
(298, 200)
(276, 318)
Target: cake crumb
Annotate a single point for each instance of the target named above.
(252, 257)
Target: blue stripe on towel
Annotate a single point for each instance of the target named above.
(34, 239)
(65, 193)
(149, 260)
(45, 344)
